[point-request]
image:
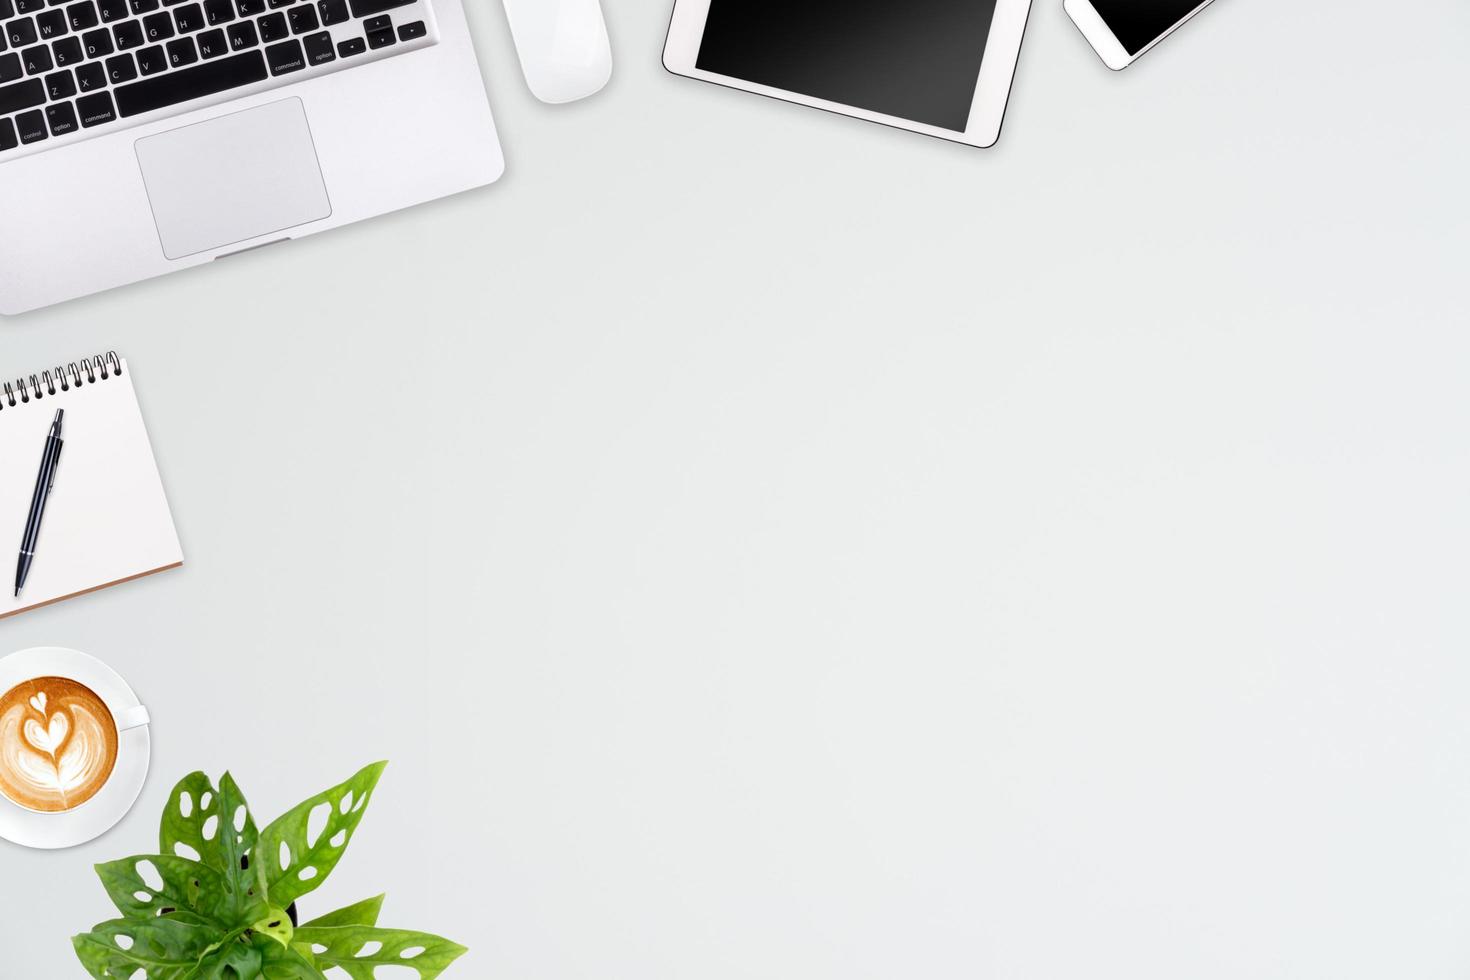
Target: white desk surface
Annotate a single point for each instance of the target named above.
(875, 558)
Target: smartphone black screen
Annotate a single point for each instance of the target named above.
(1138, 23)
(916, 59)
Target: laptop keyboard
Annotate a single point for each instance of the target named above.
(70, 69)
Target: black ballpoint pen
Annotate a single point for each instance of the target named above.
(49, 458)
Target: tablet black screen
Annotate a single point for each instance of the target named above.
(915, 59)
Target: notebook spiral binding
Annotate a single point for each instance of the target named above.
(37, 386)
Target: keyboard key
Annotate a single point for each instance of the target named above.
(158, 27)
(210, 78)
(212, 44)
(242, 36)
(91, 77)
(10, 68)
(51, 24)
(37, 59)
(31, 126)
(98, 43)
(21, 32)
(121, 69)
(377, 24)
(141, 7)
(250, 8)
(285, 58)
(111, 10)
(273, 28)
(8, 139)
(351, 47)
(332, 11)
(277, 4)
(129, 34)
(303, 19)
(62, 118)
(7, 9)
(217, 12)
(60, 86)
(82, 16)
(67, 52)
(319, 48)
(182, 52)
(381, 39)
(13, 98)
(189, 19)
(367, 8)
(152, 60)
(412, 32)
(96, 109)
(29, 6)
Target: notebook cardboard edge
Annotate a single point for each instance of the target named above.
(95, 588)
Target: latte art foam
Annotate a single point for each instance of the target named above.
(58, 744)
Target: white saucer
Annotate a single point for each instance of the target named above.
(102, 812)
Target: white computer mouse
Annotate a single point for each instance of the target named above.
(564, 48)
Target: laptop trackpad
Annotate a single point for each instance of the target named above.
(234, 178)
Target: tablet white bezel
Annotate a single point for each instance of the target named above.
(1002, 50)
(1105, 42)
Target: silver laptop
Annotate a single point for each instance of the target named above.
(139, 137)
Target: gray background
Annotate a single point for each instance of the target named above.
(770, 545)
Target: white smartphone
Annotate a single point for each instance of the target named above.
(1121, 31)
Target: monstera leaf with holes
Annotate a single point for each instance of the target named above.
(216, 902)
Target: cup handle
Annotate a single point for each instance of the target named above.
(133, 717)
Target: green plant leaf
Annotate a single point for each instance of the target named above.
(236, 839)
(364, 913)
(188, 886)
(274, 925)
(192, 918)
(217, 825)
(295, 963)
(359, 950)
(193, 801)
(234, 961)
(165, 949)
(289, 862)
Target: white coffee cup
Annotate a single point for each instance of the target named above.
(97, 815)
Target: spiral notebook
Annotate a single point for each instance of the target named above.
(107, 520)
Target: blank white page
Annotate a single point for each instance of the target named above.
(107, 520)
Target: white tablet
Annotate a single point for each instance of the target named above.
(938, 67)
